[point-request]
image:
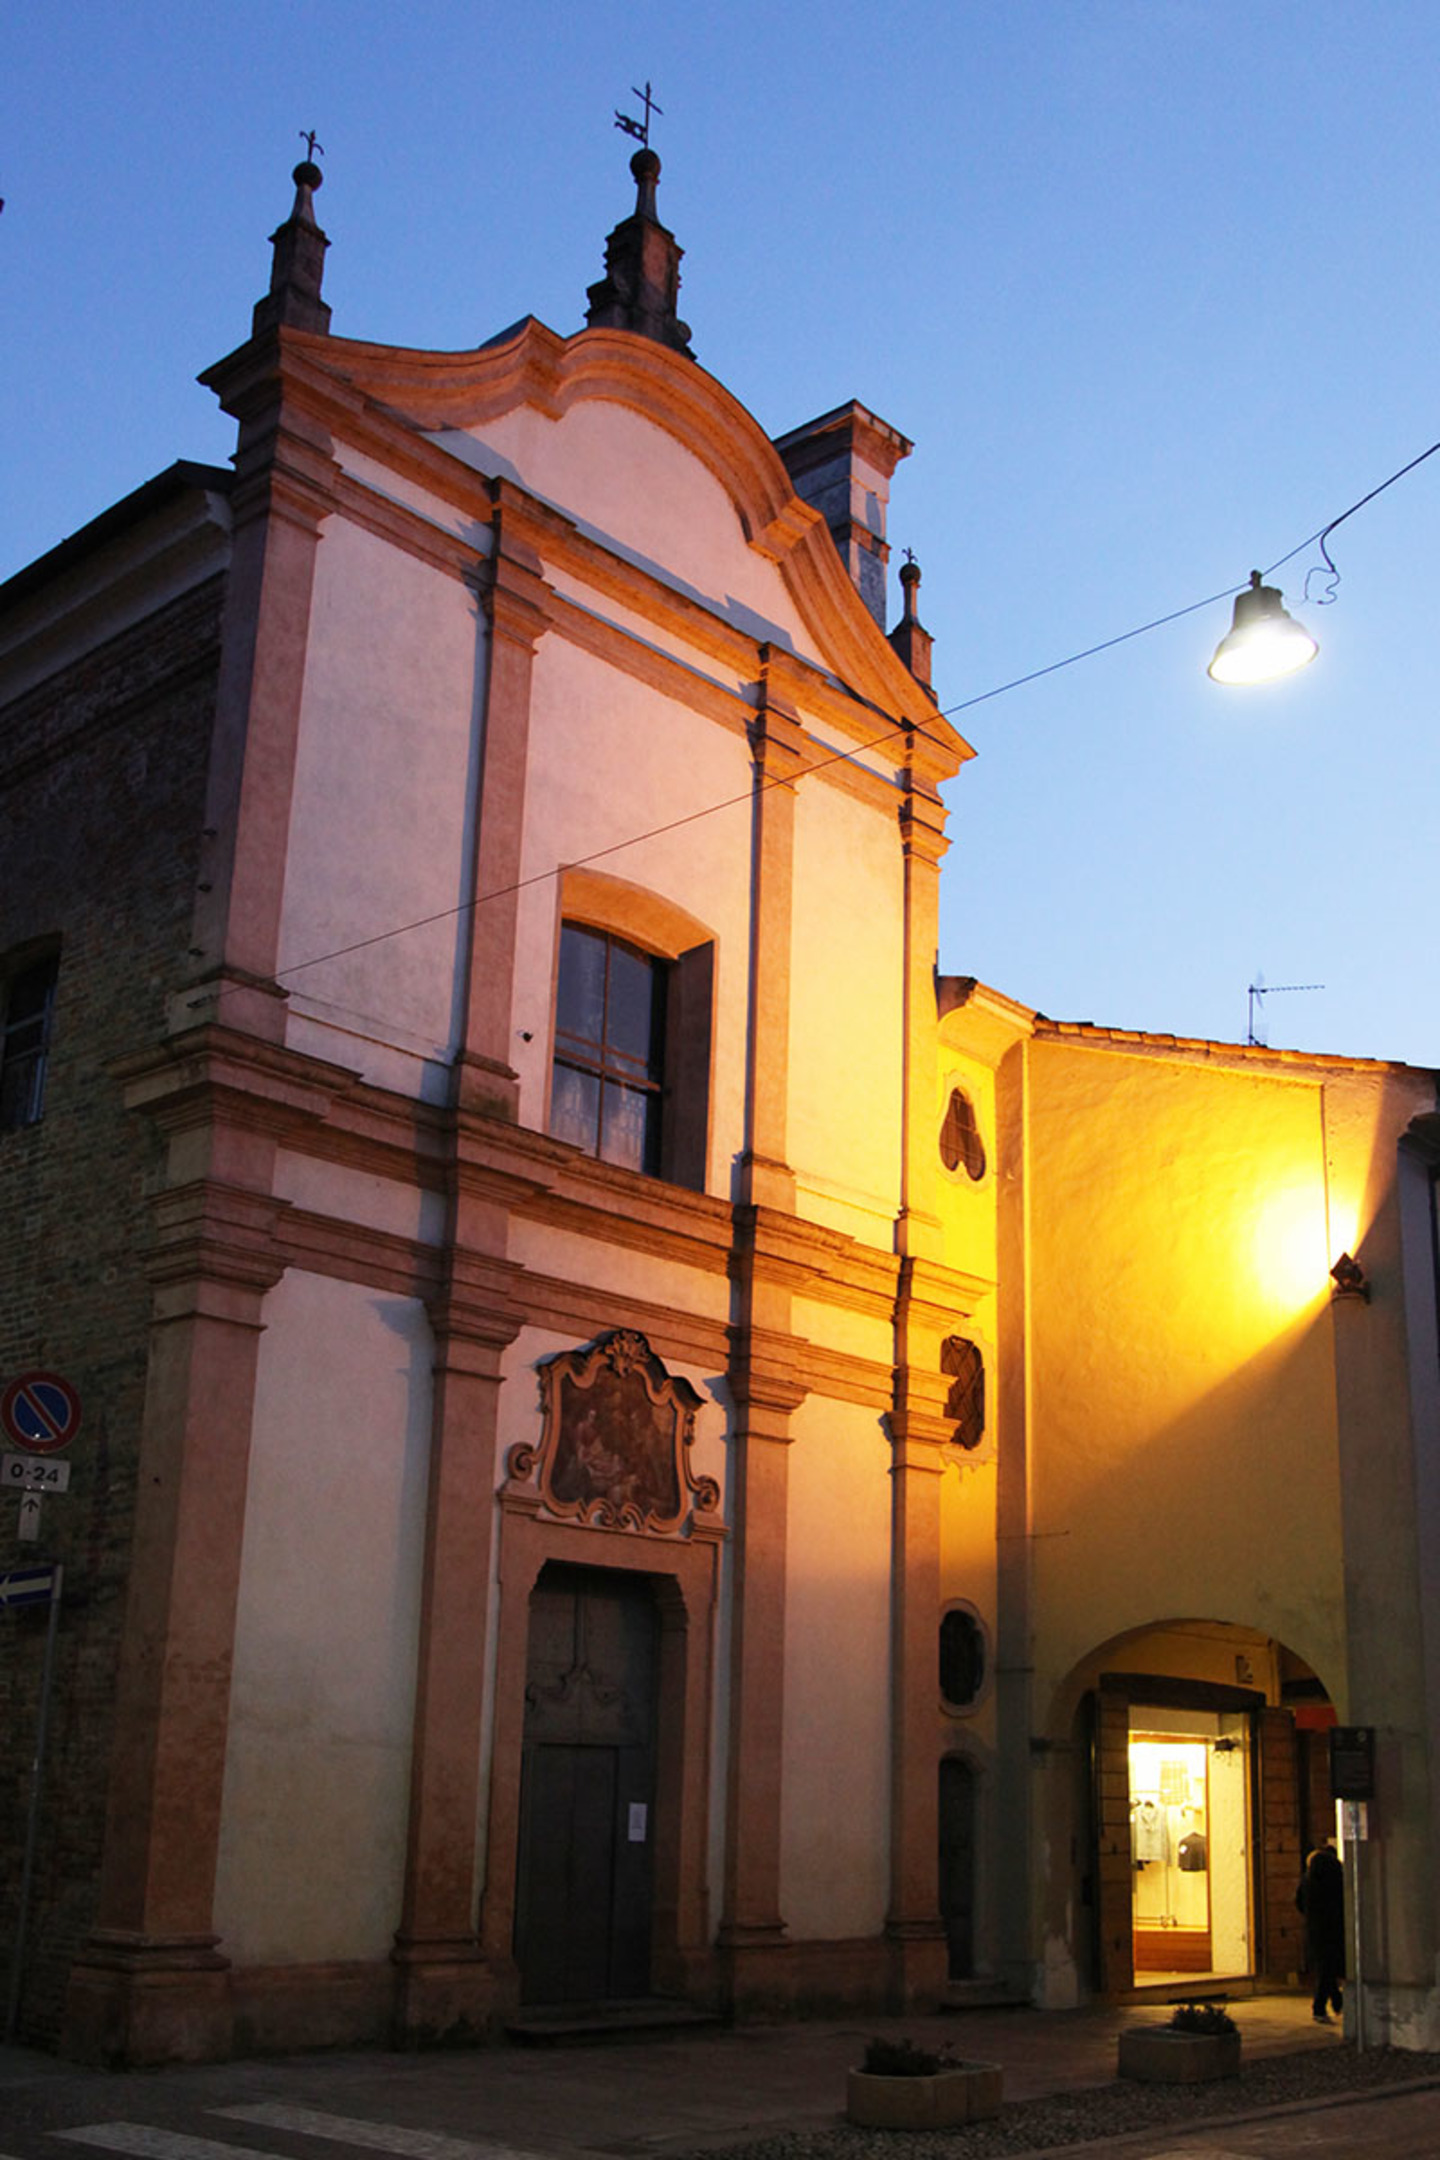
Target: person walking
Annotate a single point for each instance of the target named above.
(1321, 1897)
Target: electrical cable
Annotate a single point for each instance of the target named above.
(983, 697)
(1319, 539)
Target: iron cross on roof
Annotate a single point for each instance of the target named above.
(312, 146)
(640, 128)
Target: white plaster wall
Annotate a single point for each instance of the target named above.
(628, 482)
(620, 1270)
(317, 1770)
(396, 487)
(840, 1327)
(846, 1011)
(381, 825)
(657, 633)
(834, 1853)
(611, 760)
(357, 1196)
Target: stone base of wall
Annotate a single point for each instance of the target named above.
(822, 1979)
(130, 2013)
(280, 2008)
(147, 2006)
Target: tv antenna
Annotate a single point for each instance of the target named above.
(1259, 991)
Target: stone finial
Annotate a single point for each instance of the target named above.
(642, 269)
(298, 262)
(911, 641)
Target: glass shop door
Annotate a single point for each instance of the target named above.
(1189, 1845)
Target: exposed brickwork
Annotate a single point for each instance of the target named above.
(102, 774)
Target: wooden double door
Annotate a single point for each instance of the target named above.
(584, 1885)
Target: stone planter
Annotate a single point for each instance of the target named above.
(960, 2093)
(1159, 2055)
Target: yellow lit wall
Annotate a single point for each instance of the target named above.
(1183, 1457)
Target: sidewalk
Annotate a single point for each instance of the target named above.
(662, 2097)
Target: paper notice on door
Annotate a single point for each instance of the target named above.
(638, 1813)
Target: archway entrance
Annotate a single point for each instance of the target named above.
(584, 1880)
(1199, 1796)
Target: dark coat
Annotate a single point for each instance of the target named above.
(1321, 1897)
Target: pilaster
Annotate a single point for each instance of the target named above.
(151, 1983)
(766, 1389)
(444, 1988)
(516, 602)
(927, 1304)
(922, 836)
(284, 489)
(752, 1939)
(778, 746)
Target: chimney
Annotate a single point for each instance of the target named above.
(841, 464)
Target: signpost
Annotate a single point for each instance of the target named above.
(40, 1412)
(1352, 1783)
(21, 1587)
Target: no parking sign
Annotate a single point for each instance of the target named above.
(40, 1412)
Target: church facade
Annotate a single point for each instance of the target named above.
(638, 1441)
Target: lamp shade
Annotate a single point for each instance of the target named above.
(1263, 642)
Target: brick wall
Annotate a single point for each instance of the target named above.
(102, 775)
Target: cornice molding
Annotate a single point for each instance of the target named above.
(322, 1112)
(213, 1231)
(930, 1294)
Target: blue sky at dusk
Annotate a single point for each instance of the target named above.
(1151, 284)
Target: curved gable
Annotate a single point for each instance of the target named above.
(445, 394)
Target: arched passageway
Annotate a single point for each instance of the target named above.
(1200, 1780)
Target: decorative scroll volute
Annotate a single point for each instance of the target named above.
(614, 1448)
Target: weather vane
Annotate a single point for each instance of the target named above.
(640, 128)
(307, 136)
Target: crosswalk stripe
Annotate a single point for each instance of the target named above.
(378, 2137)
(150, 2143)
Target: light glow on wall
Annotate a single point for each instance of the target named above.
(1289, 1247)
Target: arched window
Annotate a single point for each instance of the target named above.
(960, 1141)
(962, 1658)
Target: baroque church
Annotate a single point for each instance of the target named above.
(636, 1441)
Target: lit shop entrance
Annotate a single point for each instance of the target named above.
(1190, 1843)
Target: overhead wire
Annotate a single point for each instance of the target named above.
(852, 755)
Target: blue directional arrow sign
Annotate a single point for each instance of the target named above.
(29, 1586)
